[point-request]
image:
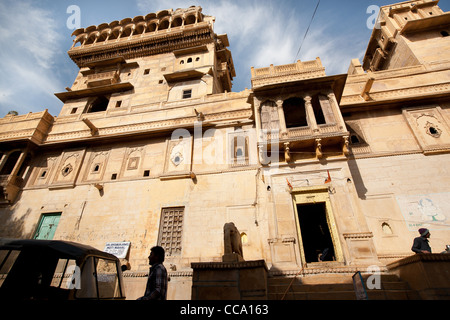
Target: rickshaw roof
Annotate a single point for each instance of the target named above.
(64, 249)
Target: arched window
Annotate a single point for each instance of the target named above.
(177, 22)
(115, 34)
(295, 113)
(151, 27)
(102, 37)
(10, 163)
(139, 29)
(244, 238)
(164, 25)
(386, 228)
(189, 20)
(127, 31)
(91, 38)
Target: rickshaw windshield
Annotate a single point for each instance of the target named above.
(99, 279)
(7, 260)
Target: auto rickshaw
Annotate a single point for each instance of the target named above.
(58, 270)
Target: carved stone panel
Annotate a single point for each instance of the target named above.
(430, 128)
(96, 165)
(69, 168)
(178, 156)
(133, 160)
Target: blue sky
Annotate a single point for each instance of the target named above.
(35, 38)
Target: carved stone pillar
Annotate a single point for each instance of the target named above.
(282, 119)
(310, 114)
(19, 163)
(337, 111)
(3, 160)
(257, 110)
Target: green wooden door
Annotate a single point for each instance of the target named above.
(47, 226)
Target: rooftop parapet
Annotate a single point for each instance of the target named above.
(155, 33)
(286, 73)
(30, 126)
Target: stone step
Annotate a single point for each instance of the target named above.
(336, 287)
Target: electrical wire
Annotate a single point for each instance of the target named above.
(307, 31)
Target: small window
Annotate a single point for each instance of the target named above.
(182, 62)
(99, 104)
(146, 71)
(114, 176)
(161, 81)
(96, 168)
(118, 104)
(386, 228)
(189, 60)
(244, 238)
(146, 173)
(187, 94)
(74, 110)
(197, 59)
(43, 174)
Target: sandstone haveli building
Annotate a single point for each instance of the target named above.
(152, 147)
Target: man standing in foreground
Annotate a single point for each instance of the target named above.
(157, 279)
(421, 244)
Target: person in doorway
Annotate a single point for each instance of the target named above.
(421, 244)
(156, 288)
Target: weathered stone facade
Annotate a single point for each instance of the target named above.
(152, 147)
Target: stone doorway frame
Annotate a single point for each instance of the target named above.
(312, 195)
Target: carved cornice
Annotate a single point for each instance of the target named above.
(419, 91)
(148, 126)
(145, 46)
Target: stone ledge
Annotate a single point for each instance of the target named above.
(419, 257)
(229, 265)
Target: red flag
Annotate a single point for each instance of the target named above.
(329, 178)
(289, 184)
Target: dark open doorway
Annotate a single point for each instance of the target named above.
(316, 236)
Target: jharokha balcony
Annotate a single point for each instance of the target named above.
(297, 109)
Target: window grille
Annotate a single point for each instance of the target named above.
(170, 230)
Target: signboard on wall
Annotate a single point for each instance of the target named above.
(119, 249)
(430, 211)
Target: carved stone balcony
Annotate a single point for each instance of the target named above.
(289, 72)
(297, 111)
(102, 79)
(10, 186)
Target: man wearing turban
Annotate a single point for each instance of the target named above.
(421, 244)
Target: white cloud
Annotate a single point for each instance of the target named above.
(267, 32)
(29, 47)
